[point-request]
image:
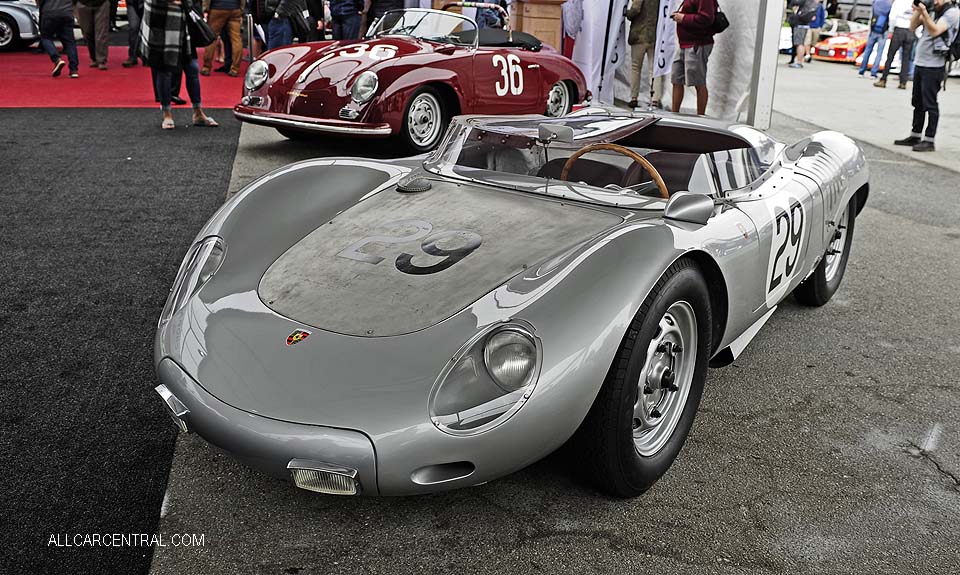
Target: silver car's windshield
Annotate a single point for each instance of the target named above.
(431, 25)
(506, 153)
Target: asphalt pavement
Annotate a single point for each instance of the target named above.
(97, 208)
(830, 446)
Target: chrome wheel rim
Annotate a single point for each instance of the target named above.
(424, 119)
(6, 33)
(835, 250)
(558, 100)
(665, 379)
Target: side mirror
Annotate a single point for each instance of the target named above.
(555, 133)
(689, 207)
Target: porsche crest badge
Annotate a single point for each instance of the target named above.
(297, 336)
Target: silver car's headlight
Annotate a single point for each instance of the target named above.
(364, 87)
(202, 261)
(257, 74)
(487, 381)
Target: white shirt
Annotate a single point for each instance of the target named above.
(900, 13)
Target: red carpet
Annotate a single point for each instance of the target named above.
(26, 83)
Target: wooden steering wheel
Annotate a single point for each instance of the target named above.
(664, 192)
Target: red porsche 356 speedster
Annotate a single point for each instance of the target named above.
(414, 70)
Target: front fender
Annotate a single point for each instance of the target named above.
(390, 105)
(26, 23)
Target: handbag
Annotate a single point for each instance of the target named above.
(301, 28)
(720, 22)
(201, 35)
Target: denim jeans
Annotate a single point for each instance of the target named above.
(134, 15)
(165, 79)
(279, 33)
(59, 27)
(874, 40)
(346, 27)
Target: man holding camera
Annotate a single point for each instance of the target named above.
(939, 30)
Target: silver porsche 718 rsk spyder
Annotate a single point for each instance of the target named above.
(403, 327)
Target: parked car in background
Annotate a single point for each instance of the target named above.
(19, 24)
(841, 48)
(831, 27)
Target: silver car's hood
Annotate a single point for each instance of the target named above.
(397, 262)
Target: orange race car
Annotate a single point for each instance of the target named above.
(840, 48)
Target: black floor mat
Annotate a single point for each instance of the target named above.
(97, 208)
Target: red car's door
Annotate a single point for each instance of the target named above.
(506, 81)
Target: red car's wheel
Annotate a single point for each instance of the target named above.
(559, 100)
(424, 120)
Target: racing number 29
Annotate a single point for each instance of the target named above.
(788, 223)
(431, 244)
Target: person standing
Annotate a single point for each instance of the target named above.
(938, 32)
(346, 16)
(134, 15)
(94, 18)
(695, 32)
(56, 22)
(166, 46)
(279, 29)
(643, 39)
(879, 23)
(804, 13)
(816, 27)
(901, 13)
(224, 14)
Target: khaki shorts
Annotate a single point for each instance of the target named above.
(690, 66)
(813, 36)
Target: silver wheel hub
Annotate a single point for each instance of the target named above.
(665, 379)
(558, 100)
(424, 119)
(6, 33)
(835, 251)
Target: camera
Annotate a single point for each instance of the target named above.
(927, 3)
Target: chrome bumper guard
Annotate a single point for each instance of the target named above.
(177, 410)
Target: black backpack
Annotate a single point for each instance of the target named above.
(720, 22)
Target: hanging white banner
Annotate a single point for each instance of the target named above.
(666, 46)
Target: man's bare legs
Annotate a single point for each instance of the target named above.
(677, 97)
(702, 96)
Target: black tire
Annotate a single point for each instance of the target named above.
(817, 289)
(14, 32)
(407, 139)
(605, 440)
(294, 134)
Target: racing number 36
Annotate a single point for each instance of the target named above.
(511, 72)
(788, 224)
(451, 245)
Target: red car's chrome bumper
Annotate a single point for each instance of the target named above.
(305, 123)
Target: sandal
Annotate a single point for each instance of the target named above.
(205, 122)
(168, 124)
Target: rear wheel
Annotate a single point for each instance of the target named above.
(645, 409)
(817, 289)
(559, 100)
(424, 120)
(9, 33)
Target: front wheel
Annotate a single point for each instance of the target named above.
(9, 33)
(424, 121)
(559, 100)
(825, 280)
(645, 409)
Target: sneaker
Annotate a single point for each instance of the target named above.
(102, 66)
(908, 141)
(58, 67)
(632, 104)
(93, 64)
(129, 63)
(880, 83)
(902, 86)
(205, 71)
(924, 146)
(74, 74)
(795, 65)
